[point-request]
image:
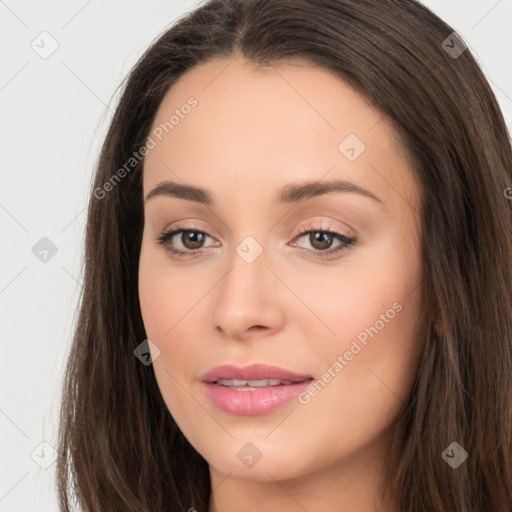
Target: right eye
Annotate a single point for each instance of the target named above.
(191, 239)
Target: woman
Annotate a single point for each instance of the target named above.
(350, 157)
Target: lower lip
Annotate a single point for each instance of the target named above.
(252, 403)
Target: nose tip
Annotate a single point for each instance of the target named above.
(243, 307)
(238, 329)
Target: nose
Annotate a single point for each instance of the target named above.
(248, 300)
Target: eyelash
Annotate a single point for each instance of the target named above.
(165, 236)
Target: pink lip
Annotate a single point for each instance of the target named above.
(260, 401)
(251, 372)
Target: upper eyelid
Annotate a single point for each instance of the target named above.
(313, 225)
(304, 230)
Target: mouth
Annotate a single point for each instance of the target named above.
(252, 390)
(254, 385)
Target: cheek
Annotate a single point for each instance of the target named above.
(171, 299)
(165, 294)
(165, 300)
(156, 300)
(371, 310)
(367, 297)
(366, 373)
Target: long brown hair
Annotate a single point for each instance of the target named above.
(119, 447)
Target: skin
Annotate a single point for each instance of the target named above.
(252, 132)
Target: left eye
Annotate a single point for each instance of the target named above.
(322, 240)
(192, 241)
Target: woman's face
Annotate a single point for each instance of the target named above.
(321, 282)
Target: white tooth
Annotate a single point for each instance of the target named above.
(263, 383)
(253, 383)
(231, 382)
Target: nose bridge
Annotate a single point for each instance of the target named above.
(242, 299)
(248, 276)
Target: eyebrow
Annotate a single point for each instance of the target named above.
(292, 193)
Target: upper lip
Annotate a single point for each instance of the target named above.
(255, 371)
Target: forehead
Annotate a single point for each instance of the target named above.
(259, 127)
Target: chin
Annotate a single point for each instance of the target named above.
(257, 460)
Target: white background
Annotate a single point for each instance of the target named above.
(54, 114)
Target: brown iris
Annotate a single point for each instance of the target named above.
(194, 238)
(320, 239)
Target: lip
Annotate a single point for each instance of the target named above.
(255, 371)
(253, 402)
